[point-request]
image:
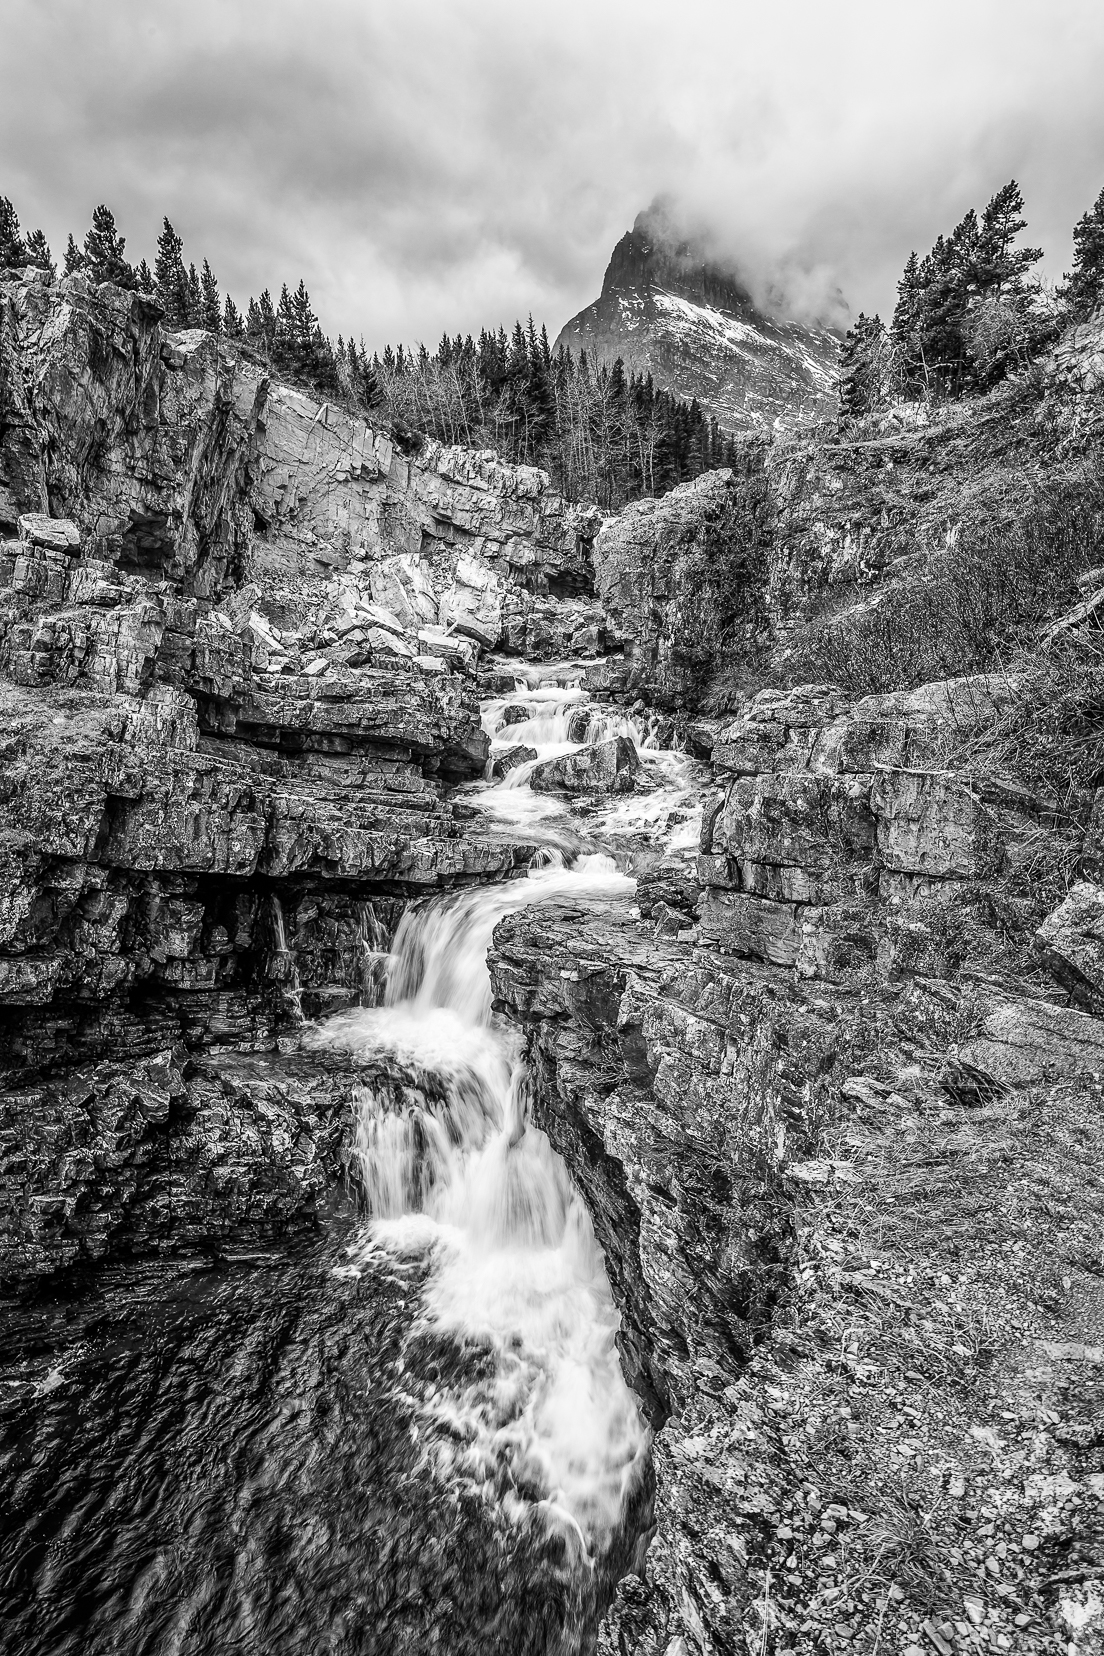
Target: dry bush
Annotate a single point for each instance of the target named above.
(975, 605)
(1050, 740)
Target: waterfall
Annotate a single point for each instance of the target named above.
(451, 1165)
(282, 967)
(370, 938)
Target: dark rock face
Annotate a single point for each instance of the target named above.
(511, 759)
(660, 1079)
(666, 308)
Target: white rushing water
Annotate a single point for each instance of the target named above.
(561, 718)
(460, 1171)
(453, 1169)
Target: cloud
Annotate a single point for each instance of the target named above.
(450, 163)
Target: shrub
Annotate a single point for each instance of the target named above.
(978, 601)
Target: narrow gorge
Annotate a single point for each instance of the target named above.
(542, 1111)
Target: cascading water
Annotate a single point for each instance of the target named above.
(464, 1174)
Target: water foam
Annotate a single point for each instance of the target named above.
(451, 1164)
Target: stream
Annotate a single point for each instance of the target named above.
(411, 1433)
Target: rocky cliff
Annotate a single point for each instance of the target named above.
(834, 1098)
(668, 309)
(238, 634)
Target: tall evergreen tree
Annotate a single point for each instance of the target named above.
(194, 300)
(169, 277)
(39, 255)
(74, 259)
(232, 324)
(998, 266)
(211, 305)
(964, 311)
(105, 251)
(13, 249)
(861, 377)
(1084, 286)
(144, 277)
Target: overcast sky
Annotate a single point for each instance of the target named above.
(430, 164)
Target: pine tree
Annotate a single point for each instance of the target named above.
(1084, 286)
(232, 325)
(39, 255)
(211, 305)
(998, 266)
(104, 251)
(366, 382)
(169, 278)
(13, 249)
(144, 276)
(540, 401)
(964, 312)
(304, 323)
(861, 370)
(74, 259)
(194, 299)
(267, 319)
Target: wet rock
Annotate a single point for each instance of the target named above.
(578, 726)
(606, 767)
(504, 763)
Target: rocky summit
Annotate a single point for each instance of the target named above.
(668, 308)
(571, 1046)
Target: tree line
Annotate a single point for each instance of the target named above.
(603, 433)
(969, 312)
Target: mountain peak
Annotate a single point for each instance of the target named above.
(657, 253)
(669, 307)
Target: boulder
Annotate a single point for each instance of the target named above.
(504, 763)
(53, 534)
(607, 767)
(515, 714)
(1070, 942)
(459, 652)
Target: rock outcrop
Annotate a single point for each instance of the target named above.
(771, 1108)
(682, 583)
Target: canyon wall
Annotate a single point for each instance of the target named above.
(833, 1094)
(238, 636)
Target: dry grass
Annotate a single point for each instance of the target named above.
(973, 604)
